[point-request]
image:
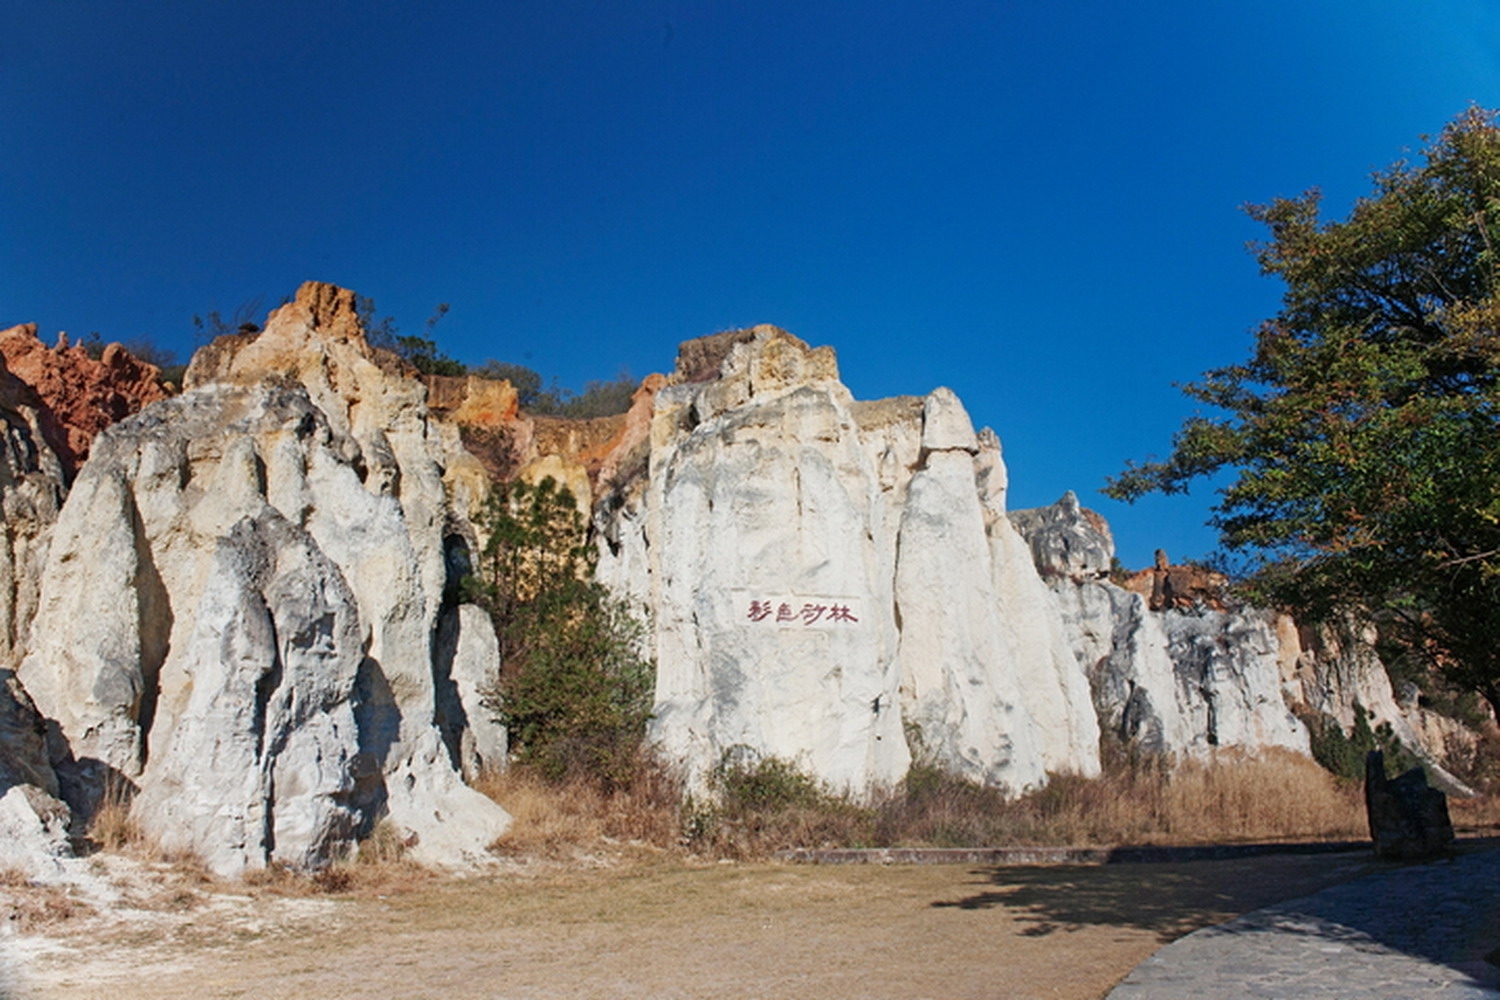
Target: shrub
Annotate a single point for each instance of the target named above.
(574, 691)
(1343, 754)
(750, 783)
(761, 804)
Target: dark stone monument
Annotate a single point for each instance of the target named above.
(1408, 819)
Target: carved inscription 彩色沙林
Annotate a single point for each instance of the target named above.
(800, 612)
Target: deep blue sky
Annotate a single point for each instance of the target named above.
(1035, 203)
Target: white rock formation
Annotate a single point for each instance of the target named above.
(31, 493)
(827, 576)
(259, 764)
(245, 609)
(467, 665)
(1177, 681)
(241, 602)
(34, 823)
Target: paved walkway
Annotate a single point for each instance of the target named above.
(1418, 931)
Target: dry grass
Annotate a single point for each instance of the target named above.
(1273, 795)
(1231, 797)
(561, 819)
(29, 905)
(111, 826)
(1476, 817)
(380, 865)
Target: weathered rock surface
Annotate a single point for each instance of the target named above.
(825, 577)
(34, 830)
(245, 610)
(1067, 540)
(32, 486)
(1332, 669)
(260, 763)
(467, 662)
(80, 396)
(1178, 680)
(241, 602)
(34, 824)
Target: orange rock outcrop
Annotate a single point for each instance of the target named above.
(80, 396)
(1181, 587)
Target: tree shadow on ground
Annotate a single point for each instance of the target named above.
(1169, 900)
(1445, 911)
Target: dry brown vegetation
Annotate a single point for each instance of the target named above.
(556, 819)
(29, 905)
(111, 826)
(1476, 817)
(759, 810)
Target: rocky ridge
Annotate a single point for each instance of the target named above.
(243, 616)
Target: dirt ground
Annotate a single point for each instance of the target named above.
(644, 928)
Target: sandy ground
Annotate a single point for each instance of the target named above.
(643, 928)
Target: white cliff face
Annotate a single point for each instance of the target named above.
(244, 611)
(467, 659)
(1055, 686)
(34, 823)
(31, 493)
(1229, 681)
(826, 577)
(772, 618)
(241, 603)
(1333, 669)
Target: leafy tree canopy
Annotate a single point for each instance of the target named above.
(1363, 433)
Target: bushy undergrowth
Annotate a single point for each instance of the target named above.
(1343, 753)
(757, 805)
(574, 692)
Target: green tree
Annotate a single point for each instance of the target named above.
(574, 691)
(1363, 433)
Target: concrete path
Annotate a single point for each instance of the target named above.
(1417, 931)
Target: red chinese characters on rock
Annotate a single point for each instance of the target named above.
(810, 613)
